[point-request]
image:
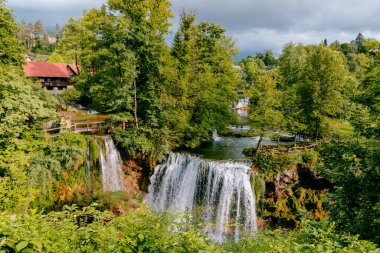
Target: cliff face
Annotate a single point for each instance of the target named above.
(292, 190)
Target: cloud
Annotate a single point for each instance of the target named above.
(51, 12)
(255, 24)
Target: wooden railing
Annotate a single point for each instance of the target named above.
(55, 83)
(79, 127)
(284, 150)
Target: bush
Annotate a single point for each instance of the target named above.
(67, 231)
(310, 158)
(353, 167)
(313, 237)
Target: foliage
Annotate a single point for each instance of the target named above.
(266, 116)
(267, 58)
(310, 158)
(318, 86)
(353, 167)
(143, 143)
(199, 96)
(35, 39)
(313, 237)
(24, 106)
(270, 164)
(89, 230)
(251, 68)
(71, 96)
(10, 47)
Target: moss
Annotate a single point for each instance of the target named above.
(289, 199)
(258, 187)
(94, 154)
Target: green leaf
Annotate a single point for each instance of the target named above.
(21, 245)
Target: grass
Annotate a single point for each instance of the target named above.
(76, 115)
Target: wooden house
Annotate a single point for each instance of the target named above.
(54, 77)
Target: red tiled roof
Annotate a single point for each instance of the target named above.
(74, 68)
(47, 69)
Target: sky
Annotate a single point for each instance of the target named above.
(255, 25)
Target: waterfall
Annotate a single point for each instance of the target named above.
(215, 135)
(88, 169)
(111, 167)
(219, 193)
(242, 103)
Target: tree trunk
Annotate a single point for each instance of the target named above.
(76, 64)
(136, 119)
(258, 146)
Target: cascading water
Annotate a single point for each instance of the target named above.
(88, 169)
(215, 135)
(111, 167)
(219, 192)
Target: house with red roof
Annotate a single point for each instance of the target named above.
(53, 76)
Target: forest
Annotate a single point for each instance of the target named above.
(317, 192)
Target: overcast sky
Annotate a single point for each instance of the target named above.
(254, 24)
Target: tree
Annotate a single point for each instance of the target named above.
(11, 49)
(359, 41)
(252, 67)
(206, 80)
(74, 42)
(366, 118)
(320, 87)
(266, 116)
(353, 167)
(336, 45)
(109, 66)
(148, 22)
(267, 57)
(291, 60)
(24, 106)
(39, 29)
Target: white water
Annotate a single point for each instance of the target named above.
(215, 135)
(88, 169)
(242, 103)
(111, 167)
(220, 192)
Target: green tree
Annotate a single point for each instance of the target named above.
(252, 67)
(74, 42)
(267, 57)
(206, 80)
(359, 42)
(366, 117)
(24, 108)
(11, 49)
(319, 90)
(39, 29)
(109, 66)
(291, 60)
(353, 167)
(266, 116)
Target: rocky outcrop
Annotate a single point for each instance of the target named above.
(294, 192)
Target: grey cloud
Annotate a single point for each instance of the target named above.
(303, 15)
(51, 12)
(255, 24)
